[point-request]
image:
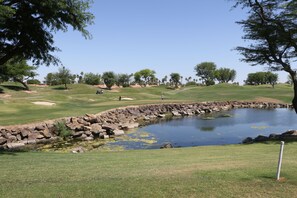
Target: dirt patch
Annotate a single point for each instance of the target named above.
(30, 92)
(44, 103)
(272, 100)
(5, 96)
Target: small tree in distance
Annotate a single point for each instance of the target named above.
(65, 77)
(206, 72)
(175, 79)
(109, 79)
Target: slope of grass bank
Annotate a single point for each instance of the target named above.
(17, 106)
(222, 171)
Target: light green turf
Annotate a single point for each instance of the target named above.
(80, 99)
(221, 171)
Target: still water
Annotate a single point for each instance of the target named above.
(228, 127)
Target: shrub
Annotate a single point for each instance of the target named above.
(33, 81)
(62, 130)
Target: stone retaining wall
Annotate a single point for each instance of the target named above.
(113, 122)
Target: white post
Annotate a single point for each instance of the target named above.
(280, 160)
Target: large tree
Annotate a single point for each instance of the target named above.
(27, 27)
(271, 26)
(206, 72)
(224, 75)
(17, 71)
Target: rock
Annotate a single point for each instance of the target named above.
(78, 150)
(91, 118)
(96, 128)
(167, 145)
(261, 138)
(105, 136)
(39, 127)
(175, 113)
(118, 132)
(86, 128)
(248, 140)
(77, 134)
(40, 136)
(46, 133)
(25, 133)
(110, 127)
(130, 125)
(12, 138)
(15, 145)
(3, 141)
(89, 138)
(161, 115)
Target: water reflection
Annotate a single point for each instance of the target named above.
(229, 127)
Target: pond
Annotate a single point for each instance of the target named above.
(228, 127)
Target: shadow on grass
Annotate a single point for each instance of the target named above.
(13, 87)
(1, 90)
(59, 88)
(2, 152)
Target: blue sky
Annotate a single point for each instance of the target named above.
(164, 35)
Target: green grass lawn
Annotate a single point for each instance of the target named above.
(211, 171)
(17, 106)
(208, 171)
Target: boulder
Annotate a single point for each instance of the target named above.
(109, 127)
(248, 140)
(130, 125)
(3, 141)
(78, 150)
(118, 132)
(261, 138)
(167, 145)
(46, 133)
(175, 113)
(96, 128)
(15, 145)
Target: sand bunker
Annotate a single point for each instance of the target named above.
(127, 98)
(44, 103)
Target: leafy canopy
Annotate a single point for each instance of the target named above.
(271, 26)
(27, 27)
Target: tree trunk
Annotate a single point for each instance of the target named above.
(20, 81)
(294, 101)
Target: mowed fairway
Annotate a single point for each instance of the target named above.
(208, 171)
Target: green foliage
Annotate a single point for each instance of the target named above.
(109, 79)
(145, 77)
(65, 77)
(224, 75)
(62, 130)
(17, 71)
(51, 79)
(33, 81)
(175, 79)
(261, 78)
(271, 26)
(92, 79)
(26, 27)
(123, 80)
(206, 72)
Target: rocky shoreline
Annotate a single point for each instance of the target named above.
(113, 122)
